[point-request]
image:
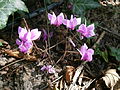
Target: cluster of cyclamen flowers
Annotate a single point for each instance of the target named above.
(26, 37)
(85, 31)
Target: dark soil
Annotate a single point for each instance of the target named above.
(26, 74)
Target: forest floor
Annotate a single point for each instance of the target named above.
(20, 72)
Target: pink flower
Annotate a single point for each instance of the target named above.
(56, 20)
(48, 68)
(46, 35)
(24, 46)
(86, 53)
(25, 35)
(86, 31)
(26, 38)
(72, 23)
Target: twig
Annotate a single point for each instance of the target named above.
(117, 36)
(11, 63)
(54, 45)
(57, 79)
(43, 88)
(99, 39)
(26, 25)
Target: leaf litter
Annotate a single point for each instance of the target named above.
(27, 75)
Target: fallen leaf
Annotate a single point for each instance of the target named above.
(12, 53)
(18, 54)
(69, 73)
(4, 43)
(111, 77)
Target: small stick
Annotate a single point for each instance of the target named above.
(11, 63)
(26, 24)
(99, 39)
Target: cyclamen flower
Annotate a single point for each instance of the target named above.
(48, 68)
(86, 53)
(25, 35)
(24, 46)
(45, 35)
(56, 20)
(26, 38)
(72, 23)
(86, 31)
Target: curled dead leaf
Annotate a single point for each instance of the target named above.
(111, 77)
(12, 53)
(5, 44)
(109, 2)
(18, 54)
(69, 73)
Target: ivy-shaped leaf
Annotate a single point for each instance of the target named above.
(7, 7)
(79, 6)
(115, 52)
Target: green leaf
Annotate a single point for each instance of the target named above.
(1, 44)
(7, 7)
(105, 55)
(79, 6)
(115, 52)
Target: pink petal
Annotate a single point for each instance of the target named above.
(90, 51)
(49, 16)
(28, 44)
(91, 27)
(84, 57)
(68, 24)
(65, 21)
(23, 48)
(90, 34)
(71, 19)
(51, 70)
(18, 42)
(21, 32)
(19, 29)
(27, 36)
(83, 49)
(78, 21)
(35, 34)
(82, 29)
(74, 22)
(89, 56)
(43, 68)
(53, 20)
(60, 18)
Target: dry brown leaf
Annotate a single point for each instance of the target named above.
(69, 73)
(80, 78)
(77, 73)
(5, 43)
(111, 77)
(12, 53)
(18, 54)
(74, 87)
(61, 84)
